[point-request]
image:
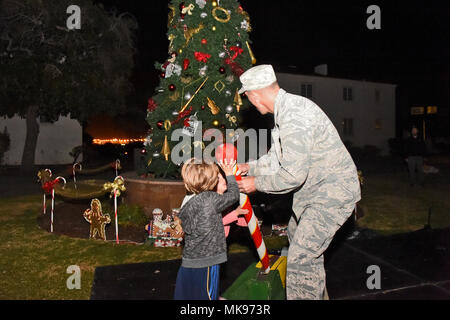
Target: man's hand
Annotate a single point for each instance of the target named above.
(242, 169)
(247, 185)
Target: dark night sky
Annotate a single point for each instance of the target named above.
(411, 49)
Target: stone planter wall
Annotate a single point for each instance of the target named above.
(153, 193)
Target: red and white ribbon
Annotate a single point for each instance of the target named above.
(253, 227)
(74, 173)
(53, 203)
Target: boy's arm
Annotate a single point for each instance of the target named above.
(228, 198)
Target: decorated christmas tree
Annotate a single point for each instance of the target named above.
(209, 48)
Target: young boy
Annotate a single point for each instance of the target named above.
(201, 219)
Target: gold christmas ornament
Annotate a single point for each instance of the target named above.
(219, 86)
(214, 3)
(213, 28)
(250, 52)
(186, 80)
(171, 37)
(215, 123)
(174, 96)
(190, 32)
(171, 15)
(167, 125)
(192, 97)
(198, 144)
(213, 106)
(237, 100)
(223, 20)
(166, 149)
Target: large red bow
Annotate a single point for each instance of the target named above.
(183, 114)
(236, 51)
(201, 56)
(49, 186)
(151, 105)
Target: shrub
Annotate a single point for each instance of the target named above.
(5, 142)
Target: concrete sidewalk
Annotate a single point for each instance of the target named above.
(411, 266)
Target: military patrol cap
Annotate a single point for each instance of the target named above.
(257, 78)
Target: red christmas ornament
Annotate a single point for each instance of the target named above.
(185, 64)
(204, 41)
(162, 74)
(172, 87)
(222, 70)
(160, 124)
(226, 151)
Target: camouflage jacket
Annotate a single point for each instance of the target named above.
(308, 157)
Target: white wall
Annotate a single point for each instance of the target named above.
(55, 140)
(328, 94)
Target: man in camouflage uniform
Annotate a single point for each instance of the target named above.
(308, 157)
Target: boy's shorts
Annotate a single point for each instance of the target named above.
(197, 283)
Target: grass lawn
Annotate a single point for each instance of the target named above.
(391, 205)
(33, 262)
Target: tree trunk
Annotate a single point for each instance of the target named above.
(29, 148)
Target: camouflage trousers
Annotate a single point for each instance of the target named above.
(308, 239)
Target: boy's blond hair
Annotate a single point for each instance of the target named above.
(199, 176)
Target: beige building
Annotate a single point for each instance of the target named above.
(55, 141)
(363, 112)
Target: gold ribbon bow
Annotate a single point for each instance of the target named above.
(232, 119)
(188, 9)
(117, 186)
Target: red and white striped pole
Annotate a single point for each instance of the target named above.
(229, 152)
(116, 218)
(74, 173)
(53, 203)
(44, 205)
(253, 227)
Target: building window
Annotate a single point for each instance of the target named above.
(347, 127)
(377, 95)
(377, 124)
(348, 94)
(306, 90)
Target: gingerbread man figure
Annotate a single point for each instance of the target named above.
(97, 220)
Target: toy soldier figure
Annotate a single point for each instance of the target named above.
(308, 157)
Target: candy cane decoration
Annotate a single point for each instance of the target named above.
(253, 227)
(44, 205)
(117, 166)
(73, 173)
(53, 202)
(229, 152)
(116, 187)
